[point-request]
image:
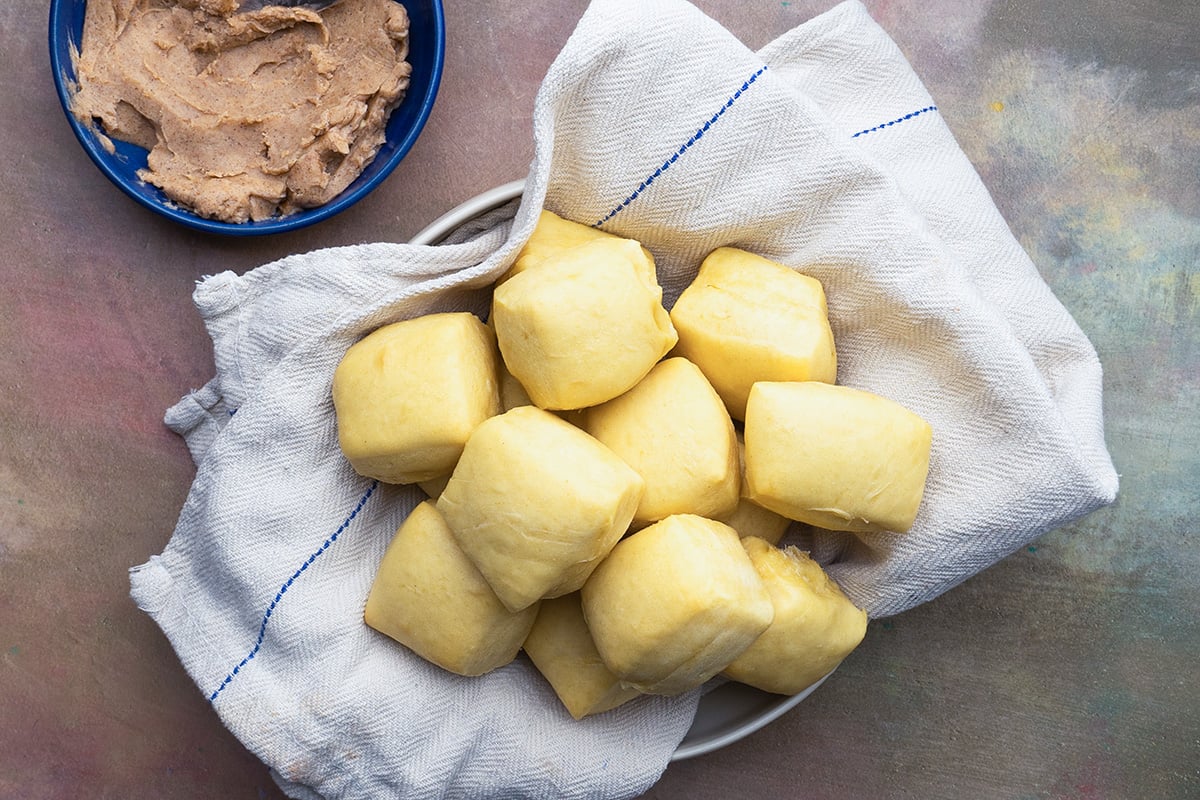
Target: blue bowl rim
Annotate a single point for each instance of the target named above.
(353, 193)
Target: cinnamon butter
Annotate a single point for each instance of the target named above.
(246, 115)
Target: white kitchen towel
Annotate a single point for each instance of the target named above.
(822, 151)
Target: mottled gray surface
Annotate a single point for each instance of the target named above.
(1066, 671)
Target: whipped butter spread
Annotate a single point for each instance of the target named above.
(246, 115)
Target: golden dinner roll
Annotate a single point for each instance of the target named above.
(673, 429)
(409, 394)
(428, 596)
(561, 648)
(536, 503)
(746, 319)
(581, 327)
(835, 457)
(674, 604)
(553, 234)
(815, 625)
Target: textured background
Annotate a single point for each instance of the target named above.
(1068, 670)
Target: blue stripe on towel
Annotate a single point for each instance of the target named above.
(896, 121)
(262, 629)
(666, 165)
(703, 129)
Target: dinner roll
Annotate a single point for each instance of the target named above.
(408, 395)
(428, 596)
(536, 503)
(582, 326)
(835, 457)
(746, 319)
(561, 648)
(673, 429)
(815, 625)
(553, 234)
(674, 604)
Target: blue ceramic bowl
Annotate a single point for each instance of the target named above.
(427, 46)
